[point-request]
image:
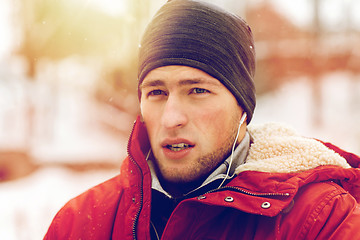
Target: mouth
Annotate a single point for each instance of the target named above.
(178, 147)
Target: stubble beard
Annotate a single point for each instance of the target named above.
(199, 170)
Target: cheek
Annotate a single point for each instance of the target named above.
(150, 118)
(219, 121)
(149, 111)
(216, 124)
(218, 116)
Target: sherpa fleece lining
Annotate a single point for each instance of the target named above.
(278, 148)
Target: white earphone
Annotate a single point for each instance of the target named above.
(243, 117)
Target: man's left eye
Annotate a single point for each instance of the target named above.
(199, 90)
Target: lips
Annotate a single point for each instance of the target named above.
(177, 148)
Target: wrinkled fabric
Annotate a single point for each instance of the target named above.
(318, 203)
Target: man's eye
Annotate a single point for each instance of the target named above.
(199, 90)
(156, 93)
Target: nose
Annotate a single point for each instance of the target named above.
(174, 113)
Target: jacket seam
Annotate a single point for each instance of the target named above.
(116, 212)
(277, 225)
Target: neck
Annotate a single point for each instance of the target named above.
(178, 190)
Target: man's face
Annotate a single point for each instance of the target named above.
(191, 119)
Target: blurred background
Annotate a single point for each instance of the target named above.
(68, 94)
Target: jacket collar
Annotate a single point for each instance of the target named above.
(138, 146)
(279, 148)
(282, 161)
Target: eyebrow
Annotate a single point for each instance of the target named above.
(151, 83)
(157, 83)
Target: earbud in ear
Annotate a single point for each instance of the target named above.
(243, 117)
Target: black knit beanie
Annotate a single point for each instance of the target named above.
(203, 36)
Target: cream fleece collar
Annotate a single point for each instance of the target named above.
(278, 148)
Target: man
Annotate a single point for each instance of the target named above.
(195, 170)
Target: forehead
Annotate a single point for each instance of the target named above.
(178, 75)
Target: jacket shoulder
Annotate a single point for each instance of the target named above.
(324, 210)
(91, 213)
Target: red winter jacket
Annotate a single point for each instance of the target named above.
(295, 201)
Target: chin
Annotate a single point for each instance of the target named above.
(181, 177)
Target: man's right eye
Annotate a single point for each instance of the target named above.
(156, 92)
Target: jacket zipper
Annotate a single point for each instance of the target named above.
(248, 193)
(141, 185)
(141, 201)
